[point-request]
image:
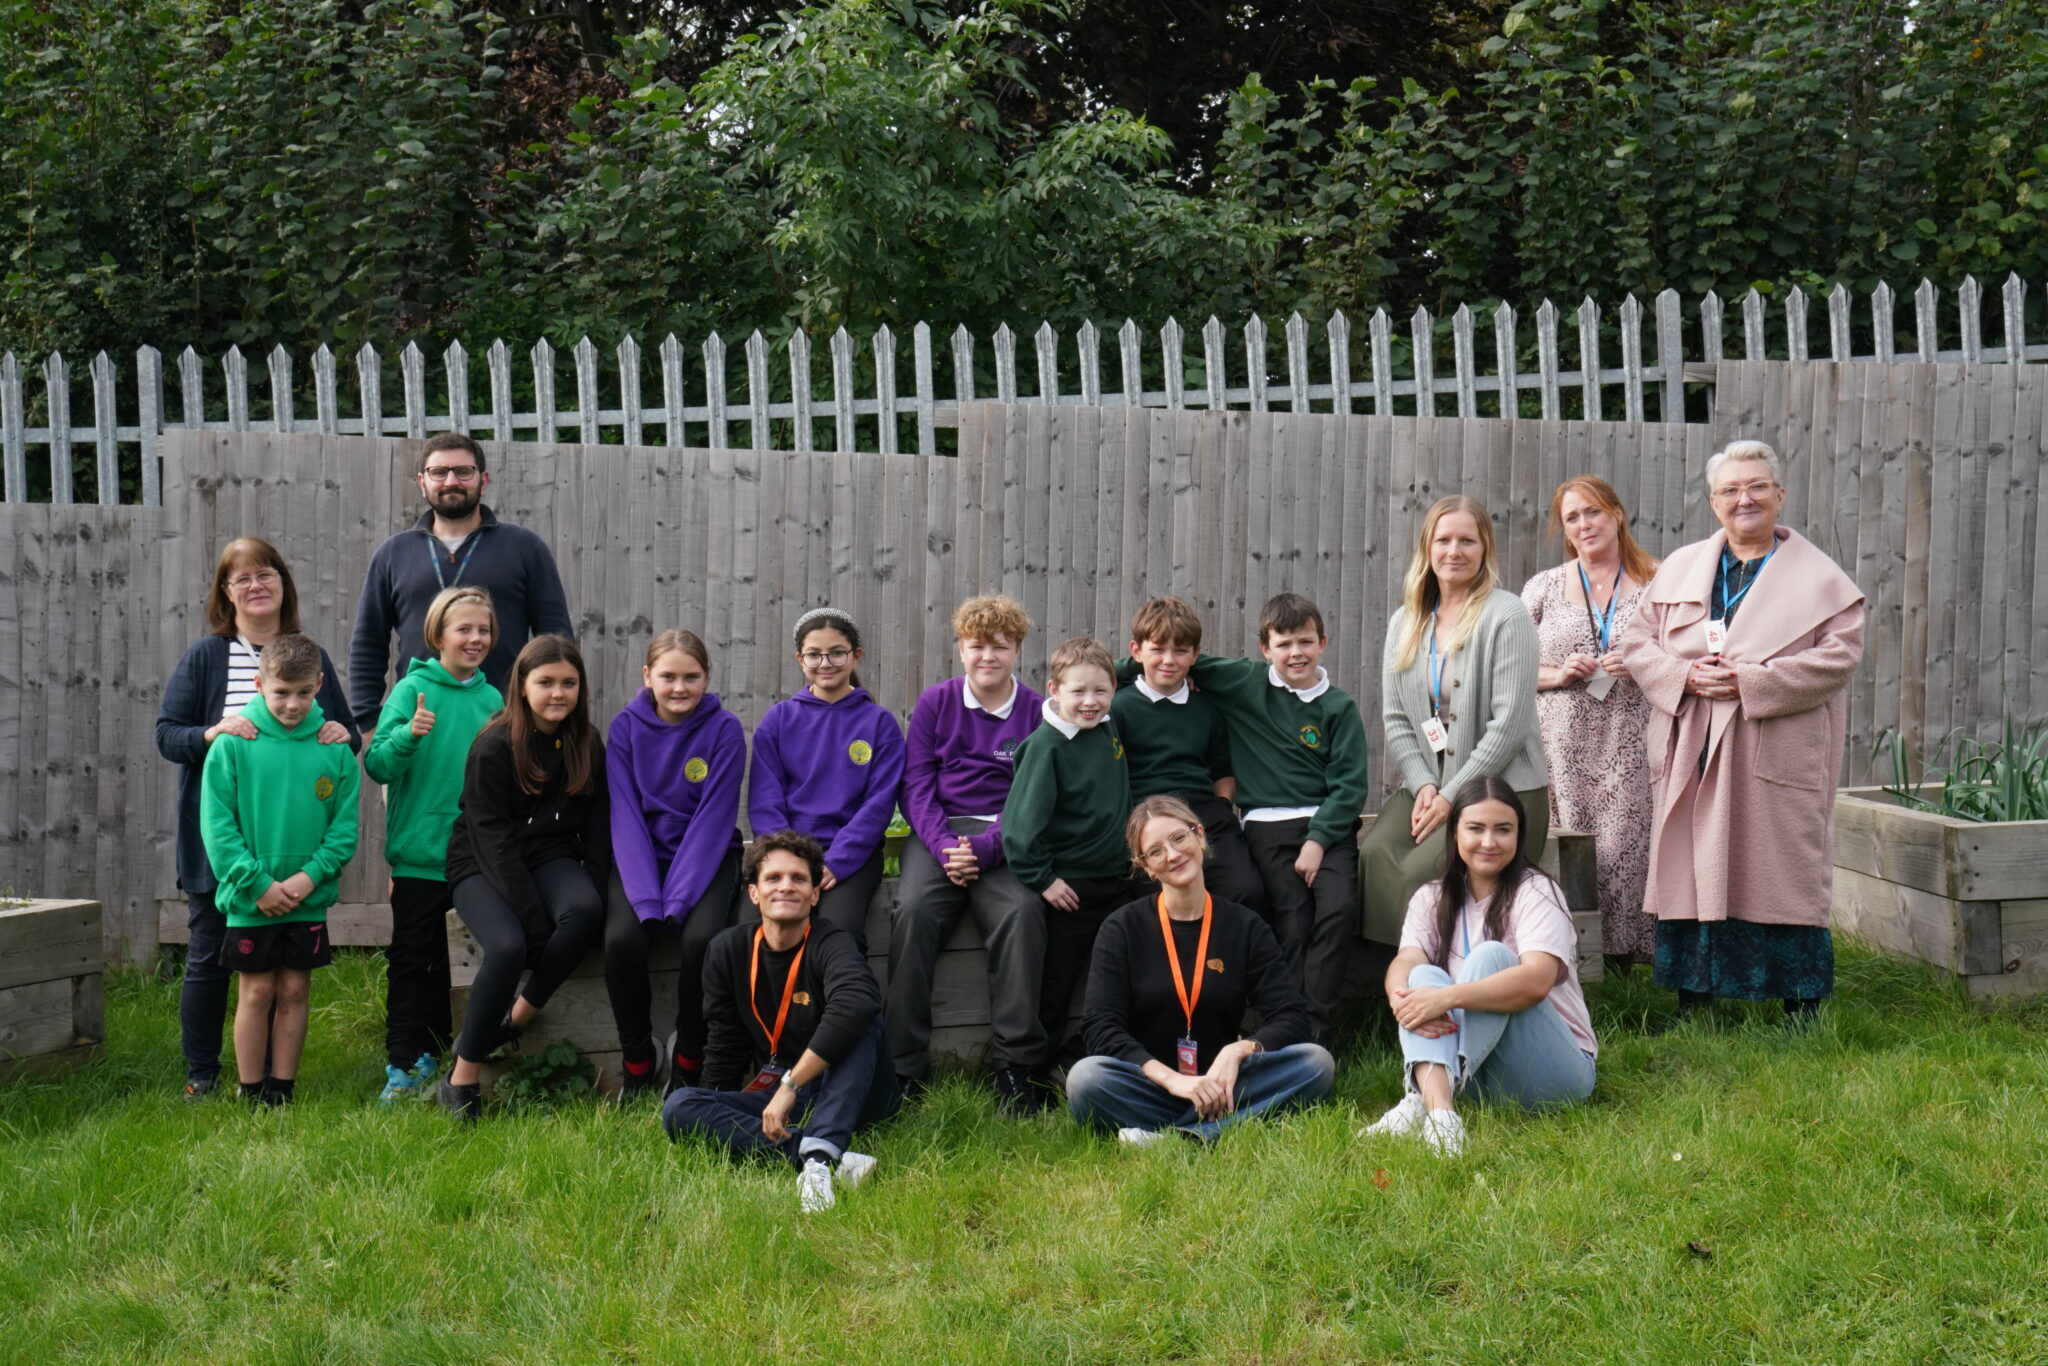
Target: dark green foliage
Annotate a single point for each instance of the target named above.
(196, 171)
(553, 1076)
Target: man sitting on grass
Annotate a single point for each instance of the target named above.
(794, 1057)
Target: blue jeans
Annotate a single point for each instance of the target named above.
(1529, 1057)
(203, 997)
(858, 1090)
(1110, 1093)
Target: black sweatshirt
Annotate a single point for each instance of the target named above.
(1133, 1012)
(836, 1000)
(505, 833)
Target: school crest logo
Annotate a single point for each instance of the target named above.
(1007, 750)
(1215, 965)
(801, 998)
(1116, 748)
(860, 751)
(696, 770)
(323, 788)
(1312, 736)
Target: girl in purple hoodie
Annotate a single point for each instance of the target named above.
(675, 758)
(827, 763)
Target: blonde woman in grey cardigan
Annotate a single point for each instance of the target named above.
(1458, 697)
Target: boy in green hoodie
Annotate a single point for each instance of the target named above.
(418, 753)
(278, 817)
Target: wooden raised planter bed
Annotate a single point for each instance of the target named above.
(1967, 896)
(51, 1008)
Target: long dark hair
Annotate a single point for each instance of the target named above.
(577, 736)
(1451, 888)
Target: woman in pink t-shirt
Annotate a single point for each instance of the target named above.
(1485, 987)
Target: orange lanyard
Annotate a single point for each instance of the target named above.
(788, 988)
(1187, 1000)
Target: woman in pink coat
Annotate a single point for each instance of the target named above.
(1743, 645)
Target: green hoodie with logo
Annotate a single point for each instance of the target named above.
(280, 804)
(422, 774)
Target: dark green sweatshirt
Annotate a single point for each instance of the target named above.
(1171, 746)
(1068, 803)
(1287, 752)
(422, 775)
(280, 804)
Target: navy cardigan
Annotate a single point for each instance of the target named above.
(193, 699)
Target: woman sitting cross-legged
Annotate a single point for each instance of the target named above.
(1485, 986)
(1167, 992)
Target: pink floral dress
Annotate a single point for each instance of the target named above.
(1599, 768)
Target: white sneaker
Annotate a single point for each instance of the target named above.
(1444, 1132)
(854, 1169)
(1405, 1118)
(1140, 1138)
(814, 1186)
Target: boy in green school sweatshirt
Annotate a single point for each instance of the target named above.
(1063, 828)
(1298, 750)
(278, 817)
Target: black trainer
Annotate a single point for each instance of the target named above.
(466, 1103)
(1015, 1094)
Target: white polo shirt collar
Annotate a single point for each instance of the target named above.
(1322, 684)
(1152, 694)
(1001, 713)
(1056, 721)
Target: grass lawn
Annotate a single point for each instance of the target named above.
(1873, 1192)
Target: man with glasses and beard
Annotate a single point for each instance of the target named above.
(458, 540)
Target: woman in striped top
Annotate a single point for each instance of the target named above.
(252, 601)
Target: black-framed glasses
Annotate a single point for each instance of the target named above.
(448, 474)
(814, 659)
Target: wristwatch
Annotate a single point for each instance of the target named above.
(788, 1083)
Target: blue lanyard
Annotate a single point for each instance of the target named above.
(1465, 927)
(1728, 603)
(1602, 624)
(434, 554)
(1436, 670)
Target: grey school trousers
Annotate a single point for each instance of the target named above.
(1012, 921)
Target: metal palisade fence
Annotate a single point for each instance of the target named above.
(793, 412)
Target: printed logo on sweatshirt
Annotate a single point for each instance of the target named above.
(1312, 737)
(1007, 750)
(1116, 748)
(1215, 965)
(860, 751)
(323, 788)
(696, 770)
(801, 998)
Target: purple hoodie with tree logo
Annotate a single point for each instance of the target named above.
(829, 770)
(675, 801)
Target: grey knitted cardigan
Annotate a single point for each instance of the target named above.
(1490, 693)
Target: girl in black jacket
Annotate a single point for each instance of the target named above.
(529, 852)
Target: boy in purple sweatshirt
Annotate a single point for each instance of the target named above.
(964, 735)
(674, 759)
(827, 763)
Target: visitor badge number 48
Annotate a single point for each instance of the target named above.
(1717, 636)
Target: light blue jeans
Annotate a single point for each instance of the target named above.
(1110, 1093)
(1529, 1057)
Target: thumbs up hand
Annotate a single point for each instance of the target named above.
(422, 719)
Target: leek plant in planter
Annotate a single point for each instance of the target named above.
(1952, 868)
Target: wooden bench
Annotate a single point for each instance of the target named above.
(581, 1010)
(52, 1011)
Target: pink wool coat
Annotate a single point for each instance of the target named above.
(1752, 836)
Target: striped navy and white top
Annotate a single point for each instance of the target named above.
(241, 677)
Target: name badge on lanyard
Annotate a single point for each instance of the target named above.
(1717, 636)
(1599, 683)
(1187, 1052)
(1433, 725)
(770, 1074)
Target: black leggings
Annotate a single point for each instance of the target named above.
(570, 899)
(627, 942)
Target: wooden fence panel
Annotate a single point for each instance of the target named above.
(1922, 480)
